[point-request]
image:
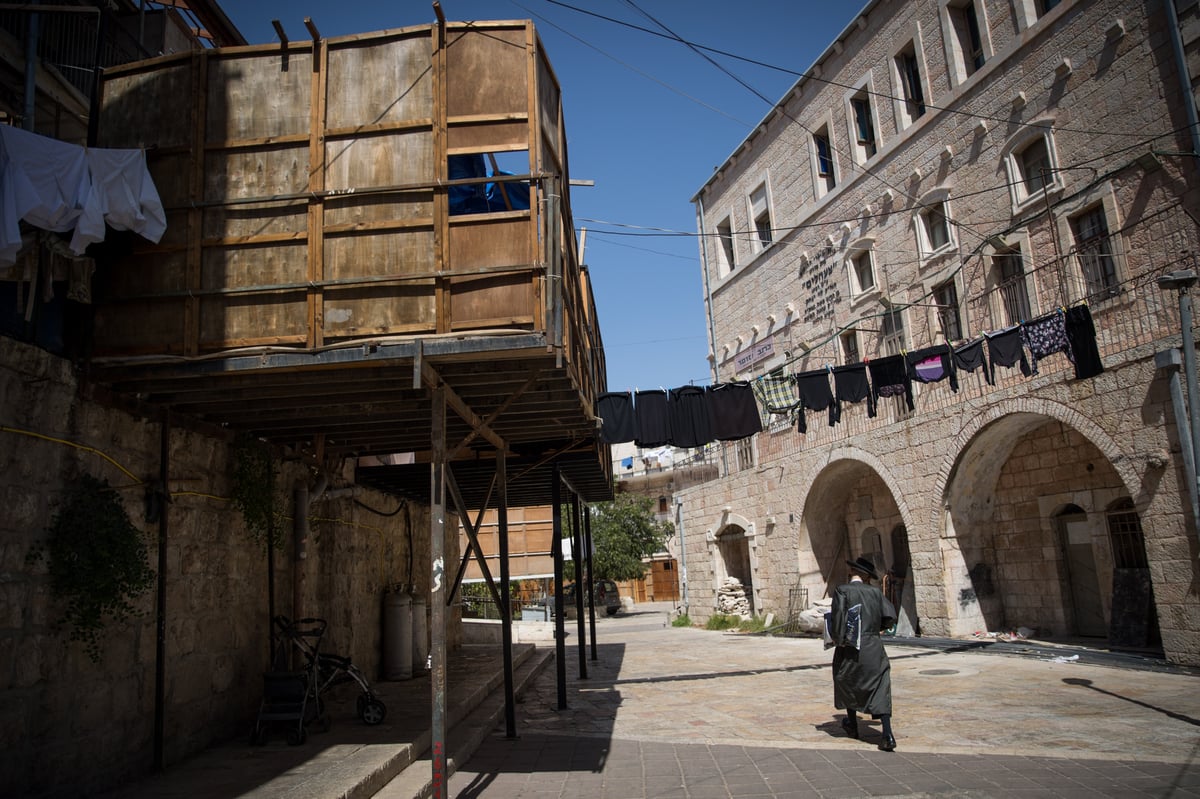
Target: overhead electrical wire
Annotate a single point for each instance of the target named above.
(808, 75)
(702, 51)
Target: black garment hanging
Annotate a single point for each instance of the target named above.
(690, 425)
(933, 364)
(653, 419)
(815, 395)
(1082, 333)
(970, 357)
(617, 422)
(733, 411)
(889, 378)
(1044, 336)
(1006, 348)
(850, 385)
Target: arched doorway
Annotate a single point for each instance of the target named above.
(733, 549)
(1023, 545)
(1084, 608)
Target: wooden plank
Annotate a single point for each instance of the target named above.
(441, 199)
(192, 321)
(316, 209)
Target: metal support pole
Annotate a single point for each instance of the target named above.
(506, 616)
(587, 545)
(160, 648)
(437, 602)
(31, 64)
(581, 584)
(560, 629)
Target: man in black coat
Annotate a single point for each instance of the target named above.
(862, 680)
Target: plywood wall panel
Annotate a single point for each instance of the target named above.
(247, 267)
(252, 173)
(486, 72)
(149, 106)
(397, 159)
(281, 98)
(394, 310)
(378, 81)
(498, 239)
(401, 254)
(259, 319)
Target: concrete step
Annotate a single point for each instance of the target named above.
(415, 780)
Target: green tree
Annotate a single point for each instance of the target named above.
(623, 532)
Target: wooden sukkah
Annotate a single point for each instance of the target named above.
(340, 277)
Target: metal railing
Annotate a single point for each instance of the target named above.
(1132, 316)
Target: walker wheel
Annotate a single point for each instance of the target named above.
(296, 737)
(373, 712)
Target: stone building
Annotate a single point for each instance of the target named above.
(946, 170)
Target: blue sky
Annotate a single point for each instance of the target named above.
(648, 119)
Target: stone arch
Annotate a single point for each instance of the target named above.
(735, 554)
(851, 453)
(1026, 408)
(850, 493)
(1003, 560)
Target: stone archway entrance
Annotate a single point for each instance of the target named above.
(1026, 547)
(733, 550)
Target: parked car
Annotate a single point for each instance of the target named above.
(604, 592)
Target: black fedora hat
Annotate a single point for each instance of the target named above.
(865, 567)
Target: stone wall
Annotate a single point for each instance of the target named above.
(975, 482)
(69, 726)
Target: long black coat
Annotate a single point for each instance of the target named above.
(862, 678)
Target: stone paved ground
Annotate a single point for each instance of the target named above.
(693, 714)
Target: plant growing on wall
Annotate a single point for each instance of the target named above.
(254, 489)
(98, 561)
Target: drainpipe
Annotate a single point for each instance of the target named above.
(682, 555)
(1170, 361)
(1185, 76)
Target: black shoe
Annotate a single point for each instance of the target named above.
(851, 727)
(888, 744)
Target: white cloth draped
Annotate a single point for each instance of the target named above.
(63, 187)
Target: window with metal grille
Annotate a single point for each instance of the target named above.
(745, 454)
(1125, 534)
(1009, 266)
(1093, 246)
(893, 332)
(850, 347)
(946, 297)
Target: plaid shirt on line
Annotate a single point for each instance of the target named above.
(777, 393)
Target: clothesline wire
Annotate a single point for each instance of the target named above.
(809, 75)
